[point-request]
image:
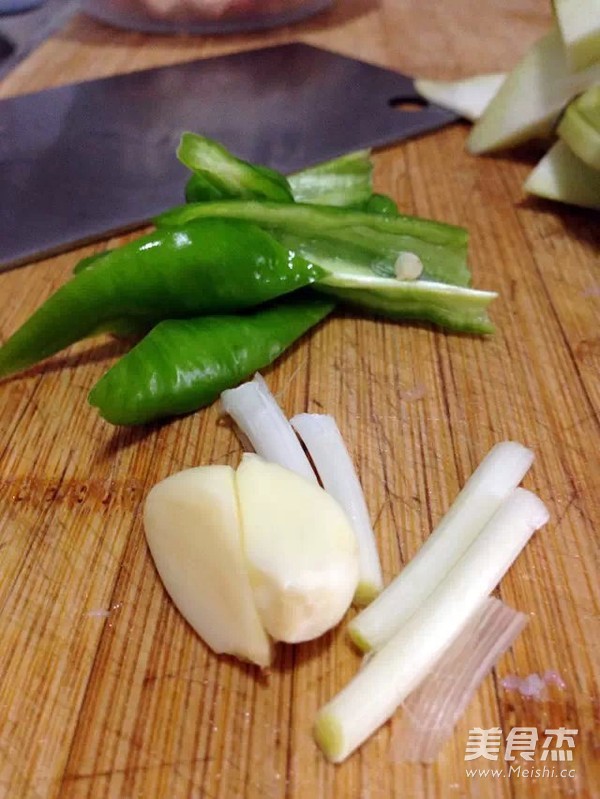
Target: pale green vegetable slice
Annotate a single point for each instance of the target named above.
(531, 98)
(579, 22)
(468, 97)
(560, 175)
(580, 127)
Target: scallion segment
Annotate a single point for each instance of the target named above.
(579, 23)
(431, 712)
(256, 412)
(328, 452)
(491, 483)
(532, 97)
(402, 664)
(561, 175)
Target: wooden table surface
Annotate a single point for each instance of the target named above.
(104, 690)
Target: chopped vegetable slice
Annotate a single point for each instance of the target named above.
(223, 175)
(431, 712)
(258, 415)
(560, 175)
(496, 477)
(531, 98)
(343, 181)
(579, 22)
(394, 671)
(469, 97)
(326, 447)
(580, 127)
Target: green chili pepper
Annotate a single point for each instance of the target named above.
(184, 364)
(454, 307)
(380, 238)
(219, 174)
(217, 266)
(381, 204)
(345, 181)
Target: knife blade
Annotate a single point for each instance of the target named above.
(91, 159)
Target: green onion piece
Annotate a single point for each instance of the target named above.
(257, 414)
(531, 98)
(393, 672)
(325, 445)
(469, 97)
(496, 477)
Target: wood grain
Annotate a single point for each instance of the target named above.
(104, 690)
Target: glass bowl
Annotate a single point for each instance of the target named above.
(202, 16)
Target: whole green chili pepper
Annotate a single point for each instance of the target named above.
(217, 266)
(184, 364)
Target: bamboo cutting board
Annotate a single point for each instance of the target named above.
(104, 690)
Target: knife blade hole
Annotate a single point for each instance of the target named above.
(6, 47)
(410, 104)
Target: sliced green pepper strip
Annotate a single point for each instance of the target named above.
(442, 248)
(343, 181)
(227, 176)
(457, 308)
(184, 364)
(208, 266)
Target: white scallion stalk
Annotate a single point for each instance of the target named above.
(495, 478)
(392, 673)
(431, 712)
(468, 97)
(325, 445)
(256, 412)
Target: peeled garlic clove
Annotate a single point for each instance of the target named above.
(193, 530)
(300, 550)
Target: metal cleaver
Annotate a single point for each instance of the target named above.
(94, 158)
